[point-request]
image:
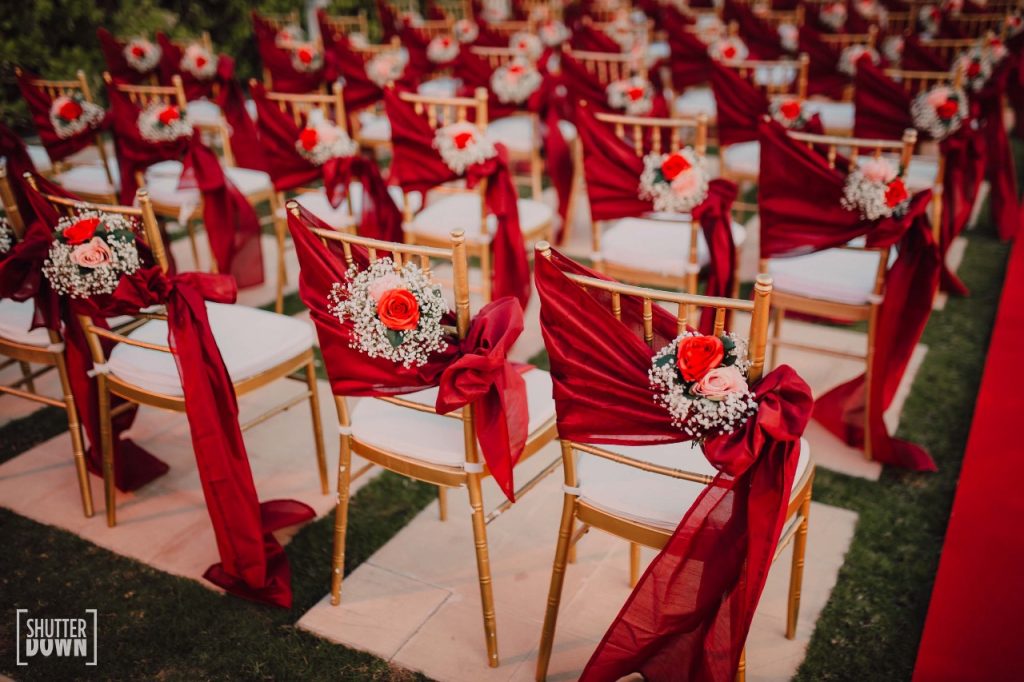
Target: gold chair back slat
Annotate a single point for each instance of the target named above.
(607, 67)
(916, 82)
(9, 203)
(841, 41)
(751, 70)
(346, 24)
(299, 106)
(857, 147)
(661, 135)
(494, 56)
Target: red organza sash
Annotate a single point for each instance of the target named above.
(417, 166)
(917, 57)
(586, 38)
(801, 213)
(39, 104)
(117, 65)
(987, 108)
(823, 76)
(690, 61)
(379, 217)
(760, 36)
(476, 372)
(278, 61)
(244, 139)
(689, 615)
(341, 61)
(231, 223)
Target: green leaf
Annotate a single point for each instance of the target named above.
(659, 176)
(665, 360)
(395, 338)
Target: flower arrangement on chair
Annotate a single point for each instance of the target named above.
(1014, 24)
(442, 49)
(789, 111)
(929, 18)
(71, 114)
(676, 182)
(289, 35)
(495, 10)
(976, 67)
(466, 31)
(410, 19)
(633, 95)
(871, 10)
(622, 31)
(526, 45)
(321, 140)
(833, 16)
(386, 67)
(198, 61)
(789, 37)
(161, 122)
(516, 81)
(849, 57)
(306, 58)
(728, 49)
(702, 382)
(875, 189)
(553, 33)
(6, 235)
(142, 55)
(939, 111)
(395, 312)
(462, 145)
(994, 48)
(892, 49)
(89, 254)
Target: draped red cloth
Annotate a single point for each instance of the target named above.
(987, 108)
(379, 217)
(583, 85)
(741, 106)
(39, 103)
(823, 76)
(882, 110)
(278, 61)
(341, 61)
(761, 37)
(417, 167)
(388, 20)
(475, 371)
(589, 39)
(244, 139)
(612, 170)
(117, 65)
(688, 617)
(801, 213)
(917, 57)
(231, 223)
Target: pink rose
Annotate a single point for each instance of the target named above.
(92, 254)
(937, 97)
(720, 383)
(381, 286)
(878, 170)
(686, 183)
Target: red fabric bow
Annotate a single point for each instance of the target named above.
(689, 615)
(417, 166)
(801, 213)
(39, 103)
(475, 371)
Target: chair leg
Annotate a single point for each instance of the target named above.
(634, 564)
(741, 671)
(773, 356)
(282, 270)
(483, 567)
(442, 502)
(26, 372)
(536, 187)
(318, 432)
(77, 445)
(547, 636)
(193, 244)
(796, 574)
(485, 273)
(341, 518)
(107, 447)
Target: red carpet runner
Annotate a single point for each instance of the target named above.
(976, 617)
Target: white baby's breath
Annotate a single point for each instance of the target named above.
(442, 49)
(306, 58)
(516, 81)
(474, 149)
(198, 61)
(331, 141)
(466, 31)
(71, 279)
(142, 55)
(289, 35)
(926, 116)
(154, 130)
(633, 95)
(553, 33)
(728, 49)
(865, 192)
(526, 45)
(90, 117)
(680, 195)
(849, 56)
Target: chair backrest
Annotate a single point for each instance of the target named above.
(898, 23)
(948, 48)
(774, 76)
(433, 28)
(977, 25)
(346, 24)
(370, 50)
(916, 82)
(298, 106)
(607, 67)
(660, 135)
(841, 41)
(507, 29)
(9, 203)
(777, 17)
(279, 21)
(642, 31)
(494, 56)
(855, 147)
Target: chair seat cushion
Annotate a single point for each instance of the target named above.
(374, 127)
(515, 132)
(462, 212)
(743, 158)
(661, 246)
(89, 179)
(647, 497)
(317, 204)
(162, 184)
(442, 86)
(835, 116)
(15, 320)
(432, 438)
(838, 275)
(697, 100)
(203, 112)
(40, 158)
(251, 341)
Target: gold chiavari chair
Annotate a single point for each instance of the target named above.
(25, 347)
(202, 112)
(508, 28)
(520, 132)
(95, 178)
(699, 98)
(279, 21)
(899, 23)
(665, 251)
(642, 32)
(349, 24)
(607, 67)
(841, 41)
(161, 179)
(464, 208)
(407, 436)
(948, 48)
(605, 12)
(777, 79)
(258, 348)
(370, 126)
(978, 25)
(640, 493)
(845, 283)
(777, 17)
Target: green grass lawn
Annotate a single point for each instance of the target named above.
(157, 626)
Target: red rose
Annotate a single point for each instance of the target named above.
(895, 193)
(635, 93)
(790, 109)
(305, 55)
(462, 140)
(947, 109)
(729, 51)
(200, 62)
(138, 51)
(308, 138)
(673, 166)
(973, 69)
(169, 115)
(398, 310)
(81, 230)
(70, 110)
(446, 41)
(699, 354)
(516, 69)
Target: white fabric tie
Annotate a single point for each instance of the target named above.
(473, 467)
(570, 490)
(98, 368)
(55, 348)
(344, 430)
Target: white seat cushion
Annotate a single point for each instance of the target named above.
(697, 100)
(835, 116)
(744, 158)
(646, 497)
(432, 438)
(162, 184)
(661, 246)
(839, 275)
(40, 158)
(89, 179)
(203, 112)
(15, 320)
(515, 132)
(443, 86)
(170, 168)
(568, 130)
(374, 127)
(250, 340)
(462, 212)
(317, 204)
